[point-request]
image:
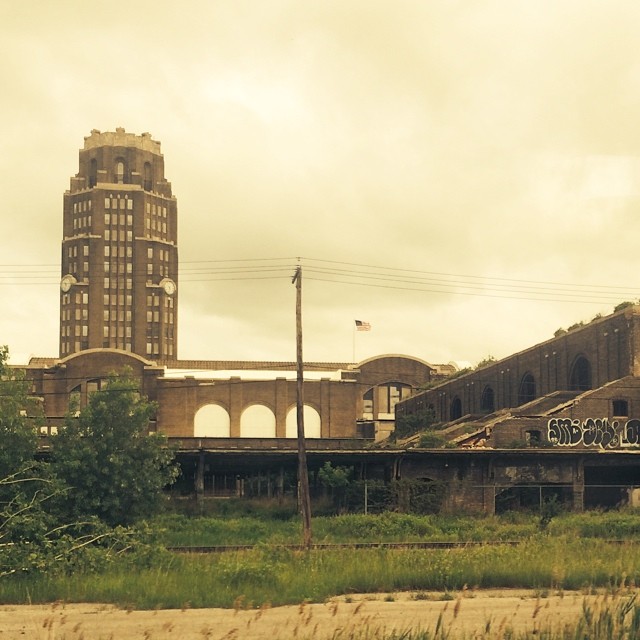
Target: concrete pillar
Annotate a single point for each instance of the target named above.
(281, 405)
(236, 405)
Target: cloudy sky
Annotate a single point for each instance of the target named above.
(462, 174)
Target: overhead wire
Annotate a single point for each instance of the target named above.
(354, 274)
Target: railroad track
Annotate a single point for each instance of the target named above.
(222, 548)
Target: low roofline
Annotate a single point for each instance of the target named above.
(121, 352)
(395, 355)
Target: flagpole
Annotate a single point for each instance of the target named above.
(359, 325)
(354, 343)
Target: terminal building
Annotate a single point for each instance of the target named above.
(119, 284)
(538, 420)
(119, 293)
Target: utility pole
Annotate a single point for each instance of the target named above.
(303, 475)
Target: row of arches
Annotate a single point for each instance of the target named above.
(256, 421)
(579, 380)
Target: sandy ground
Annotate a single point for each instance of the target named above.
(466, 615)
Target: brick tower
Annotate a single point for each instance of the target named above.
(119, 250)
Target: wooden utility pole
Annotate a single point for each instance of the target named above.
(303, 474)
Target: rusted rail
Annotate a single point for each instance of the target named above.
(222, 548)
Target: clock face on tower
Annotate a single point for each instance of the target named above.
(169, 286)
(67, 282)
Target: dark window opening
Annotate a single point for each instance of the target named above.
(456, 409)
(93, 173)
(533, 437)
(148, 183)
(620, 408)
(527, 391)
(487, 403)
(580, 377)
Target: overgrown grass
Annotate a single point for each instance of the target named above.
(571, 553)
(179, 530)
(278, 576)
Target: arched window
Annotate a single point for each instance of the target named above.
(580, 376)
(119, 171)
(211, 421)
(257, 421)
(387, 396)
(455, 411)
(527, 390)
(487, 402)
(312, 423)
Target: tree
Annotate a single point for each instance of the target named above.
(623, 305)
(23, 481)
(485, 362)
(115, 469)
(20, 416)
(26, 486)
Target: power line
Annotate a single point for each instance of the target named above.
(354, 274)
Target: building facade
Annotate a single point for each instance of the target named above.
(118, 287)
(560, 403)
(580, 389)
(222, 402)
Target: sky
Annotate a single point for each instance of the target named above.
(464, 175)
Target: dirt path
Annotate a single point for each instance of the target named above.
(466, 614)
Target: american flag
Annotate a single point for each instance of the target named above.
(362, 326)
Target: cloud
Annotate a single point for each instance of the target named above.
(487, 139)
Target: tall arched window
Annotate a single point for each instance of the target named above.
(211, 421)
(580, 376)
(487, 402)
(257, 421)
(527, 390)
(312, 423)
(119, 171)
(455, 411)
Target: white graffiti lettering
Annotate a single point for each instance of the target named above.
(593, 432)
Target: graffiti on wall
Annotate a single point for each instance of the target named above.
(593, 432)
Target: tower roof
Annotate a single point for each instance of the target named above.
(120, 138)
